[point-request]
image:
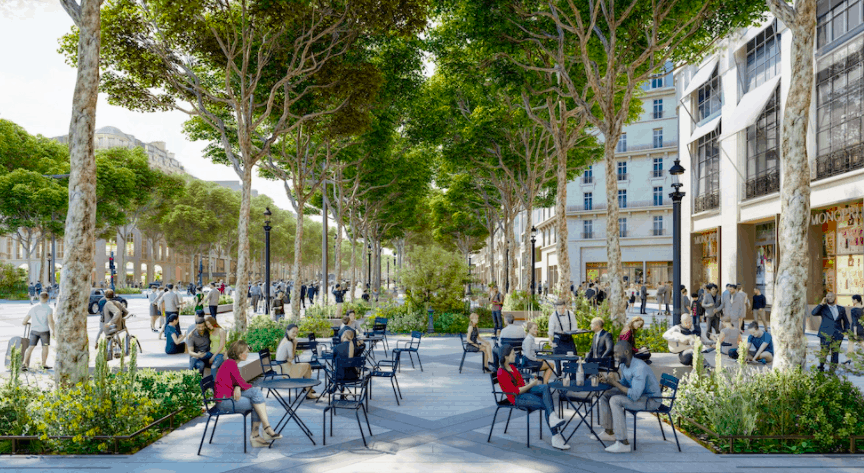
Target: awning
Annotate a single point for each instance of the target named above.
(700, 77)
(704, 129)
(755, 30)
(750, 107)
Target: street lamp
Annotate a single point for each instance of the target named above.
(469, 277)
(267, 229)
(533, 240)
(388, 273)
(51, 270)
(200, 270)
(676, 171)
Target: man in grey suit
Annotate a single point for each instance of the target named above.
(710, 304)
(736, 308)
(723, 302)
(661, 297)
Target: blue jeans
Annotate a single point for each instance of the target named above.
(247, 398)
(539, 397)
(215, 363)
(200, 363)
(496, 319)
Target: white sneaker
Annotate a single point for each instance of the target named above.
(554, 420)
(618, 447)
(603, 436)
(558, 442)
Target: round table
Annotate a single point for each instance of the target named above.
(274, 384)
(585, 388)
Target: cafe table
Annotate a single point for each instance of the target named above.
(274, 384)
(594, 393)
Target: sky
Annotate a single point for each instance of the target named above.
(36, 87)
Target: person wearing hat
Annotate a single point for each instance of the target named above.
(560, 321)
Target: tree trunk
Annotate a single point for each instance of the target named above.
(491, 251)
(43, 259)
(72, 355)
(613, 245)
(528, 270)
(352, 285)
(243, 251)
(298, 241)
(790, 284)
(561, 249)
(27, 246)
(514, 256)
(120, 259)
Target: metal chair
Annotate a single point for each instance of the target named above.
(387, 369)
(379, 328)
(267, 364)
(501, 402)
(466, 349)
(315, 363)
(667, 383)
(412, 346)
(357, 395)
(212, 411)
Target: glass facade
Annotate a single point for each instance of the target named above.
(709, 98)
(707, 178)
(763, 58)
(763, 165)
(841, 17)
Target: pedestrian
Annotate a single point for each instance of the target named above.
(199, 347)
(710, 305)
(643, 296)
(155, 312)
(198, 300)
(31, 291)
(496, 300)
(736, 307)
(303, 290)
(169, 302)
(212, 299)
(41, 320)
(661, 298)
(255, 291)
(311, 291)
(759, 304)
(834, 324)
(339, 297)
(856, 331)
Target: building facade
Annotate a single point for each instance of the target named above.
(645, 152)
(730, 124)
(111, 137)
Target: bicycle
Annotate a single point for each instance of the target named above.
(114, 344)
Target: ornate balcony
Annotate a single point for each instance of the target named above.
(839, 162)
(762, 185)
(706, 202)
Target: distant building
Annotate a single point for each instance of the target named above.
(111, 137)
(234, 186)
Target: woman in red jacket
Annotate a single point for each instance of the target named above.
(246, 398)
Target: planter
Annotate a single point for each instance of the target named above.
(223, 308)
(521, 314)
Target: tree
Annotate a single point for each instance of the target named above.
(80, 230)
(790, 285)
(435, 279)
(455, 221)
(242, 69)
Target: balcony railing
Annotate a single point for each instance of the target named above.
(622, 176)
(839, 162)
(587, 179)
(631, 204)
(706, 202)
(762, 185)
(647, 146)
(659, 231)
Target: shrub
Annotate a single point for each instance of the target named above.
(264, 332)
(519, 300)
(12, 282)
(127, 290)
(484, 317)
(744, 401)
(436, 278)
(224, 300)
(318, 325)
(449, 322)
(401, 319)
(652, 337)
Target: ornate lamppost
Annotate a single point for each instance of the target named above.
(267, 229)
(676, 196)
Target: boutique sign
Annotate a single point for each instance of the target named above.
(836, 215)
(705, 238)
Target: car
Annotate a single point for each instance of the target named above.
(96, 295)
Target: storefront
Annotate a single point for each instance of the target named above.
(593, 271)
(766, 251)
(659, 272)
(634, 272)
(705, 258)
(842, 250)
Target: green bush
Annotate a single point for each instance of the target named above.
(435, 278)
(484, 317)
(127, 290)
(652, 337)
(329, 311)
(264, 332)
(519, 300)
(225, 300)
(319, 325)
(753, 401)
(400, 319)
(12, 282)
(450, 323)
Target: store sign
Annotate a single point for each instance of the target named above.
(705, 238)
(838, 215)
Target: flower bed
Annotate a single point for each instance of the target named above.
(755, 410)
(138, 406)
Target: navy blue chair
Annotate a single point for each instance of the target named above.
(667, 383)
(501, 402)
(212, 411)
(352, 397)
(412, 347)
(466, 349)
(387, 369)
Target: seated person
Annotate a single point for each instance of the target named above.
(198, 347)
(529, 352)
(682, 338)
(760, 345)
(601, 343)
(349, 321)
(512, 330)
(246, 398)
(286, 353)
(729, 336)
(474, 340)
(345, 350)
(218, 338)
(636, 387)
(174, 343)
(628, 334)
(533, 395)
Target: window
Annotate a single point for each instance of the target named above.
(658, 225)
(622, 170)
(763, 58)
(842, 16)
(763, 173)
(622, 199)
(707, 179)
(622, 144)
(622, 227)
(658, 109)
(839, 94)
(657, 82)
(588, 175)
(658, 167)
(709, 98)
(588, 229)
(658, 137)
(589, 201)
(658, 196)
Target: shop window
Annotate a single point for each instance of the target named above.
(763, 57)
(763, 169)
(709, 98)
(707, 179)
(839, 92)
(842, 17)
(622, 144)
(842, 248)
